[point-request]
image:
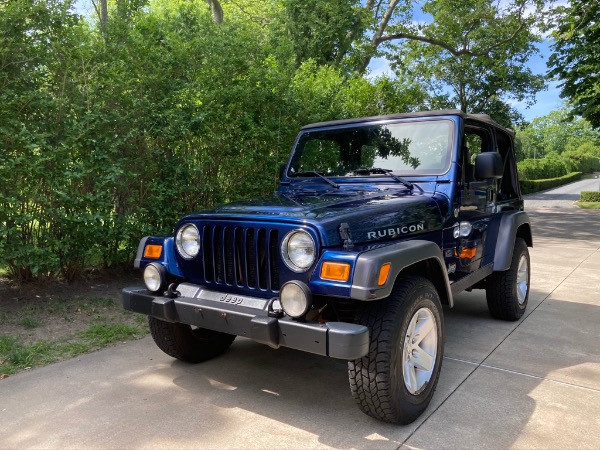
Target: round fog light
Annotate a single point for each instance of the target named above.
(154, 277)
(295, 298)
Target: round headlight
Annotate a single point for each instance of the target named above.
(188, 241)
(295, 298)
(154, 278)
(298, 250)
(462, 229)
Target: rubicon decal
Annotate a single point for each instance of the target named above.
(396, 231)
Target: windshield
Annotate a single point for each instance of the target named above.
(404, 148)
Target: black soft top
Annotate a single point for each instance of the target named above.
(444, 112)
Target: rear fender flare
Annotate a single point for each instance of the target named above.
(512, 225)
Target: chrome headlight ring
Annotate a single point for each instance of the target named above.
(298, 250)
(188, 241)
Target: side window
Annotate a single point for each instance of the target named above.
(474, 145)
(477, 140)
(509, 184)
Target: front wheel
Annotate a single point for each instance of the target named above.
(187, 344)
(396, 380)
(507, 292)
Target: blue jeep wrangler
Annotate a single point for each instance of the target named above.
(376, 223)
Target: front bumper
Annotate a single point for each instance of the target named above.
(247, 316)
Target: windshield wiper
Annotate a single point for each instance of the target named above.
(314, 172)
(388, 172)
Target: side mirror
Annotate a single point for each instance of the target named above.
(488, 165)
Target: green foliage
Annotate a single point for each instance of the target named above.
(585, 158)
(43, 41)
(478, 48)
(321, 31)
(552, 166)
(559, 131)
(112, 131)
(590, 196)
(531, 186)
(576, 57)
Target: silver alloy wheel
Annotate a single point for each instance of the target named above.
(420, 350)
(522, 279)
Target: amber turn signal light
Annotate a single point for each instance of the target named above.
(466, 253)
(152, 251)
(335, 271)
(384, 273)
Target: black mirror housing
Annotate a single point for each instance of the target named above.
(488, 165)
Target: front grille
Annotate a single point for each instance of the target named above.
(241, 256)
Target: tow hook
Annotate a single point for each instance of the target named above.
(274, 308)
(172, 291)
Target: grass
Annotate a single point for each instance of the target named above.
(16, 355)
(101, 335)
(29, 322)
(588, 205)
(56, 327)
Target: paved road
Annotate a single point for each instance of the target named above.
(530, 384)
(561, 197)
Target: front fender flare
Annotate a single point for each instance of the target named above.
(420, 257)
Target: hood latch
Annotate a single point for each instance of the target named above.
(346, 236)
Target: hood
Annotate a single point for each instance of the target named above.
(371, 214)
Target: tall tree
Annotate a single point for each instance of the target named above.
(471, 54)
(474, 52)
(576, 57)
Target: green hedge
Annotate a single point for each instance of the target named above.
(531, 186)
(590, 196)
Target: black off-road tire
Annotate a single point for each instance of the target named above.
(377, 380)
(504, 300)
(186, 344)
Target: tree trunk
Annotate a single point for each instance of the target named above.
(103, 12)
(217, 10)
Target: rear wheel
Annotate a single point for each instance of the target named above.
(396, 380)
(507, 292)
(183, 342)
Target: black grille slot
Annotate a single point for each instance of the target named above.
(243, 257)
(274, 259)
(263, 276)
(207, 253)
(250, 258)
(218, 254)
(240, 257)
(228, 252)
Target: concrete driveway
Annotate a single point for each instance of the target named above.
(530, 384)
(563, 196)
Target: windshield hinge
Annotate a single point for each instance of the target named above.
(346, 236)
